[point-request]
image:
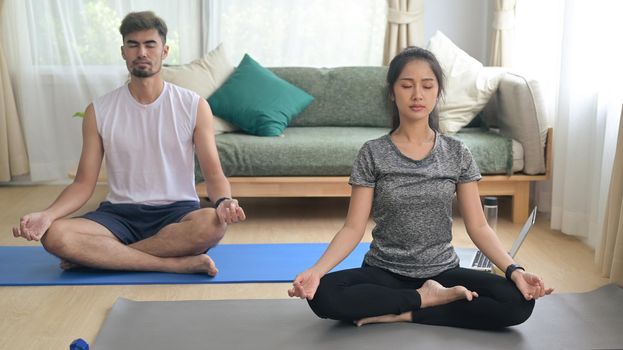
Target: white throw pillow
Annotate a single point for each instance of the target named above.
(469, 85)
(203, 76)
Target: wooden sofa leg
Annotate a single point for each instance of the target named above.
(521, 201)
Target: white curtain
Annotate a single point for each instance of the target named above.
(211, 11)
(503, 33)
(609, 253)
(13, 156)
(318, 33)
(405, 26)
(576, 45)
(63, 54)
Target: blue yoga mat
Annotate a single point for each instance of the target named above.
(237, 263)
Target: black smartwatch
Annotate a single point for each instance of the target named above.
(510, 269)
(219, 201)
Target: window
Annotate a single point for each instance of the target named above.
(305, 33)
(63, 33)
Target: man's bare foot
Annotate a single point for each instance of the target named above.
(432, 294)
(201, 263)
(404, 317)
(68, 265)
(189, 264)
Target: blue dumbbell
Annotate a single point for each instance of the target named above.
(79, 344)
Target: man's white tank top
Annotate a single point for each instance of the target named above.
(149, 148)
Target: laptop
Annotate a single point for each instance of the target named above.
(472, 258)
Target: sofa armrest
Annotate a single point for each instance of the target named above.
(517, 110)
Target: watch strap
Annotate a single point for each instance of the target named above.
(510, 269)
(219, 201)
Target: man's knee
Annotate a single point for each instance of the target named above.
(56, 239)
(208, 230)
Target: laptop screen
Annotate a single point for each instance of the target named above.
(523, 233)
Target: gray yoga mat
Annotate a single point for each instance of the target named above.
(591, 320)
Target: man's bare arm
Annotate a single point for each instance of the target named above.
(207, 154)
(33, 226)
(79, 192)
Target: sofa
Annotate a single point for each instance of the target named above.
(314, 154)
(295, 131)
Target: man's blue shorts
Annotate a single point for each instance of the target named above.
(134, 222)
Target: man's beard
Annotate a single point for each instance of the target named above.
(145, 72)
(142, 73)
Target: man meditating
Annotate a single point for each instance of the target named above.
(149, 131)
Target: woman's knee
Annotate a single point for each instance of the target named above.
(326, 302)
(520, 312)
(516, 309)
(321, 303)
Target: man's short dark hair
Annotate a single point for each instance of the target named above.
(144, 20)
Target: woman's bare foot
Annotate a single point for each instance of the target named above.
(432, 294)
(404, 317)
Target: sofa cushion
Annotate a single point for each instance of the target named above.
(300, 151)
(331, 151)
(344, 96)
(493, 152)
(203, 76)
(257, 101)
(517, 109)
(469, 85)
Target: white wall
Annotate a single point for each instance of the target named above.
(466, 22)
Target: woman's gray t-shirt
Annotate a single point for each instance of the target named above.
(412, 205)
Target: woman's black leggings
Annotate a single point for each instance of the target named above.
(367, 291)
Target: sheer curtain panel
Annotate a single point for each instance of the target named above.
(574, 48)
(13, 155)
(319, 33)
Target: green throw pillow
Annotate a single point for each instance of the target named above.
(257, 101)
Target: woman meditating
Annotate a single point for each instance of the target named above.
(408, 180)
